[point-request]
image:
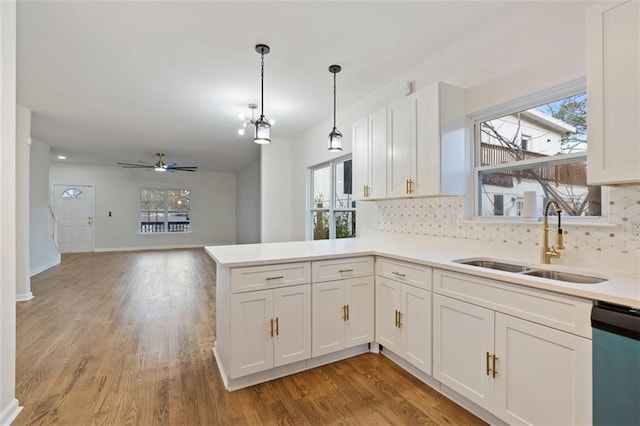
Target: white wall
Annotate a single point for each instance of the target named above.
(23, 147)
(248, 204)
(8, 404)
(43, 253)
(511, 61)
(117, 190)
(275, 192)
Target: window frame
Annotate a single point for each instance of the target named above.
(331, 210)
(166, 212)
(552, 94)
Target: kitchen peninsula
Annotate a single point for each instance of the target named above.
(286, 307)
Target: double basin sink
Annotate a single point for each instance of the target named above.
(532, 272)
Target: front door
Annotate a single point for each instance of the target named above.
(74, 214)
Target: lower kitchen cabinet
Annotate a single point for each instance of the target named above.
(522, 372)
(269, 328)
(403, 321)
(342, 314)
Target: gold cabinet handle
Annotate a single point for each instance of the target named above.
(399, 319)
(487, 363)
(345, 270)
(399, 274)
(277, 327)
(274, 278)
(347, 312)
(271, 327)
(406, 186)
(494, 366)
(410, 186)
(344, 312)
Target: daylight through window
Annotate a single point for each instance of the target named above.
(333, 211)
(541, 149)
(164, 210)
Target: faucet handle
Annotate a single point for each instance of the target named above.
(559, 239)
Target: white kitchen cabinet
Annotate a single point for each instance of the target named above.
(342, 314)
(269, 328)
(403, 310)
(521, 371)
(613, 88)
(370, 156)
(401, 149)
(403, 321)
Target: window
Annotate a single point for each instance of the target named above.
(333, 211)
(73, 193)
(164, 210)
(541, 149)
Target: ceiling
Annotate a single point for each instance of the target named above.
(115, 81)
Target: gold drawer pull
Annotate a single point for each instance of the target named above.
(487, 363)
(274, 278)
(271, 321)
(344, 312)
(494, 366)
(347, 312)
(345, 270)
(277, 327)
(399, 274)
(399, 319)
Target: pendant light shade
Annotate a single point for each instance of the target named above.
(335, 137)
(263, 126)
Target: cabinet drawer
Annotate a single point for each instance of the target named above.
(337, 269)
(562, 312)
(406, 272)
(269, 276)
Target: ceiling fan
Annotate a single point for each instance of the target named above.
(159, 166)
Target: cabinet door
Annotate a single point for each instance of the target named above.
(400, 157)
(463, 335)
(328, 317)
(387, 307)
(292, 311)
(251, 341)
(415, 323)
(425, 116)
(613, 87)
(378, 153)
(544, 375)
(361, 159)
(359, 327)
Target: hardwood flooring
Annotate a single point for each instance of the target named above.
(125, 338)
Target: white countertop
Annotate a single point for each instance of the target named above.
(439, 253)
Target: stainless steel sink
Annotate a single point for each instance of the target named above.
(491, 264)
(564, 276)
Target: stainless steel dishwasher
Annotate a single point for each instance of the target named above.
(616, 365)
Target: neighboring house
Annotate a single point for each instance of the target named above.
(528, 135)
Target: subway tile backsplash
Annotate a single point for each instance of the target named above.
(443, 217)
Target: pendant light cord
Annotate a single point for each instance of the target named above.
(262, 84)
(334, 100)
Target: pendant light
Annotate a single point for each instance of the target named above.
(263, 126)
(335, 137)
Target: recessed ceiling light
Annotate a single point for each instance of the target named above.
(61, 157)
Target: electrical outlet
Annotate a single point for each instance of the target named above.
(636, 229)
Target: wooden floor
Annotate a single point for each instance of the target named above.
(125, 338)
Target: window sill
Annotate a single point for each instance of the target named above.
(593, 223)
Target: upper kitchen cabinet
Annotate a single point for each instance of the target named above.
(370, 156)
(414, 147)
(613, 87)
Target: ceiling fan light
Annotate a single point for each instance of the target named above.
(160, 169)
(263, 131)
(335, 140)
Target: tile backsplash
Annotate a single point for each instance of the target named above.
(611, 242)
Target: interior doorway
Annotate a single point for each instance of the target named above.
(73, 205)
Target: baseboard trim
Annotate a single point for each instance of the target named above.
(9, 413)
(24, 297)
(47, 266)
(169, 247)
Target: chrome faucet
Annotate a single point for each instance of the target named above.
(548, 252)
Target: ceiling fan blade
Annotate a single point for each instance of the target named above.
(130, 165)
(183, 168)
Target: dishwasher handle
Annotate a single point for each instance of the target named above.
(616, 319)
